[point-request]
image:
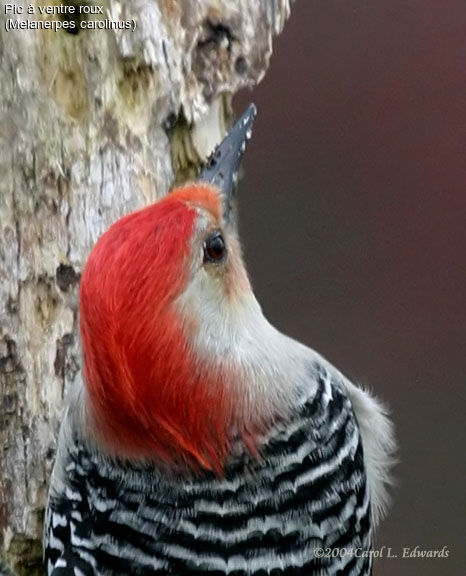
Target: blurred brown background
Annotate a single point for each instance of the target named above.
(353, 223)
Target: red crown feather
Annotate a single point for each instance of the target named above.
(149, 397)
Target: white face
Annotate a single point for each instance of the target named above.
(226, 328)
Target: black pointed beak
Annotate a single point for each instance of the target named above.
(222, 166)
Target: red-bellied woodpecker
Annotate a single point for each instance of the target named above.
(204, 441)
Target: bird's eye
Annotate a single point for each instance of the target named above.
(214, 247)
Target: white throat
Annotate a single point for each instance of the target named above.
(233, 333)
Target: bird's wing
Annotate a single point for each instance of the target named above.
(378, 441)
(61, 556)
(69, 564)
(66, 525)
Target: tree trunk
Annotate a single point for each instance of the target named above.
(93, 124)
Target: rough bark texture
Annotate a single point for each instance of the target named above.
(92, 126)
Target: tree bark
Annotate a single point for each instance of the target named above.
(93, 124)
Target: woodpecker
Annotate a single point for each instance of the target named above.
(200, 439)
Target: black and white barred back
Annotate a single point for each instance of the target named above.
(308, 492)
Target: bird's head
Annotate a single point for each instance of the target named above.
(168, 322)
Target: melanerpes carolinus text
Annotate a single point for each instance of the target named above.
(201, 439)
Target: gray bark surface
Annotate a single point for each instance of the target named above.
(92, 126)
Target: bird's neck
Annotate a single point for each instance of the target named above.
(185, 398)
